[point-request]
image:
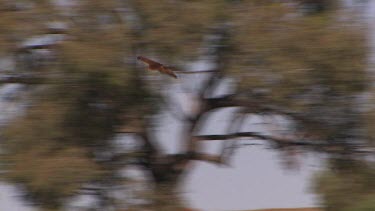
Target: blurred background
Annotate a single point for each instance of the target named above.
(272, 106)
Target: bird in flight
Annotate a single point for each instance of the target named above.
(152, 65)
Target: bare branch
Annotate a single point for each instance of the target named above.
(216, 159)
(277, 140)
(228, 148)
(195, 71)
(253, 106)
(138, 127)
(21, 79)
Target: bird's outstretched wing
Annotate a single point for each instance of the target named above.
(152, 65)
(150, 62)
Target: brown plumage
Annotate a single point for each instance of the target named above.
(152, 65)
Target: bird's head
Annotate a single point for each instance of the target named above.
(138, 57)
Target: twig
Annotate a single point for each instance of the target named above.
(195, 71)
(277, 140)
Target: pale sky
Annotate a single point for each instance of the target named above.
(255, 178)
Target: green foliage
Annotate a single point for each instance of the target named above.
(312, 65)
(368, 204)
(39, 157)
(370, 126)
(56, 147)
(308, 64)
(51, 175)
(288, 53)
(348, 185)
(175, 29)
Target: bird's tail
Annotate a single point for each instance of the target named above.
(168, 71)
(173, 74)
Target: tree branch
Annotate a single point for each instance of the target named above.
(195, 71)
(216, 159)
(21, 79)
(277, 140)
(253, 106)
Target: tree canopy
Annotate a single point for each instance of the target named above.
(305, 61)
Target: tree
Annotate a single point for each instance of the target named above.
(304, 68)
(349, 187)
